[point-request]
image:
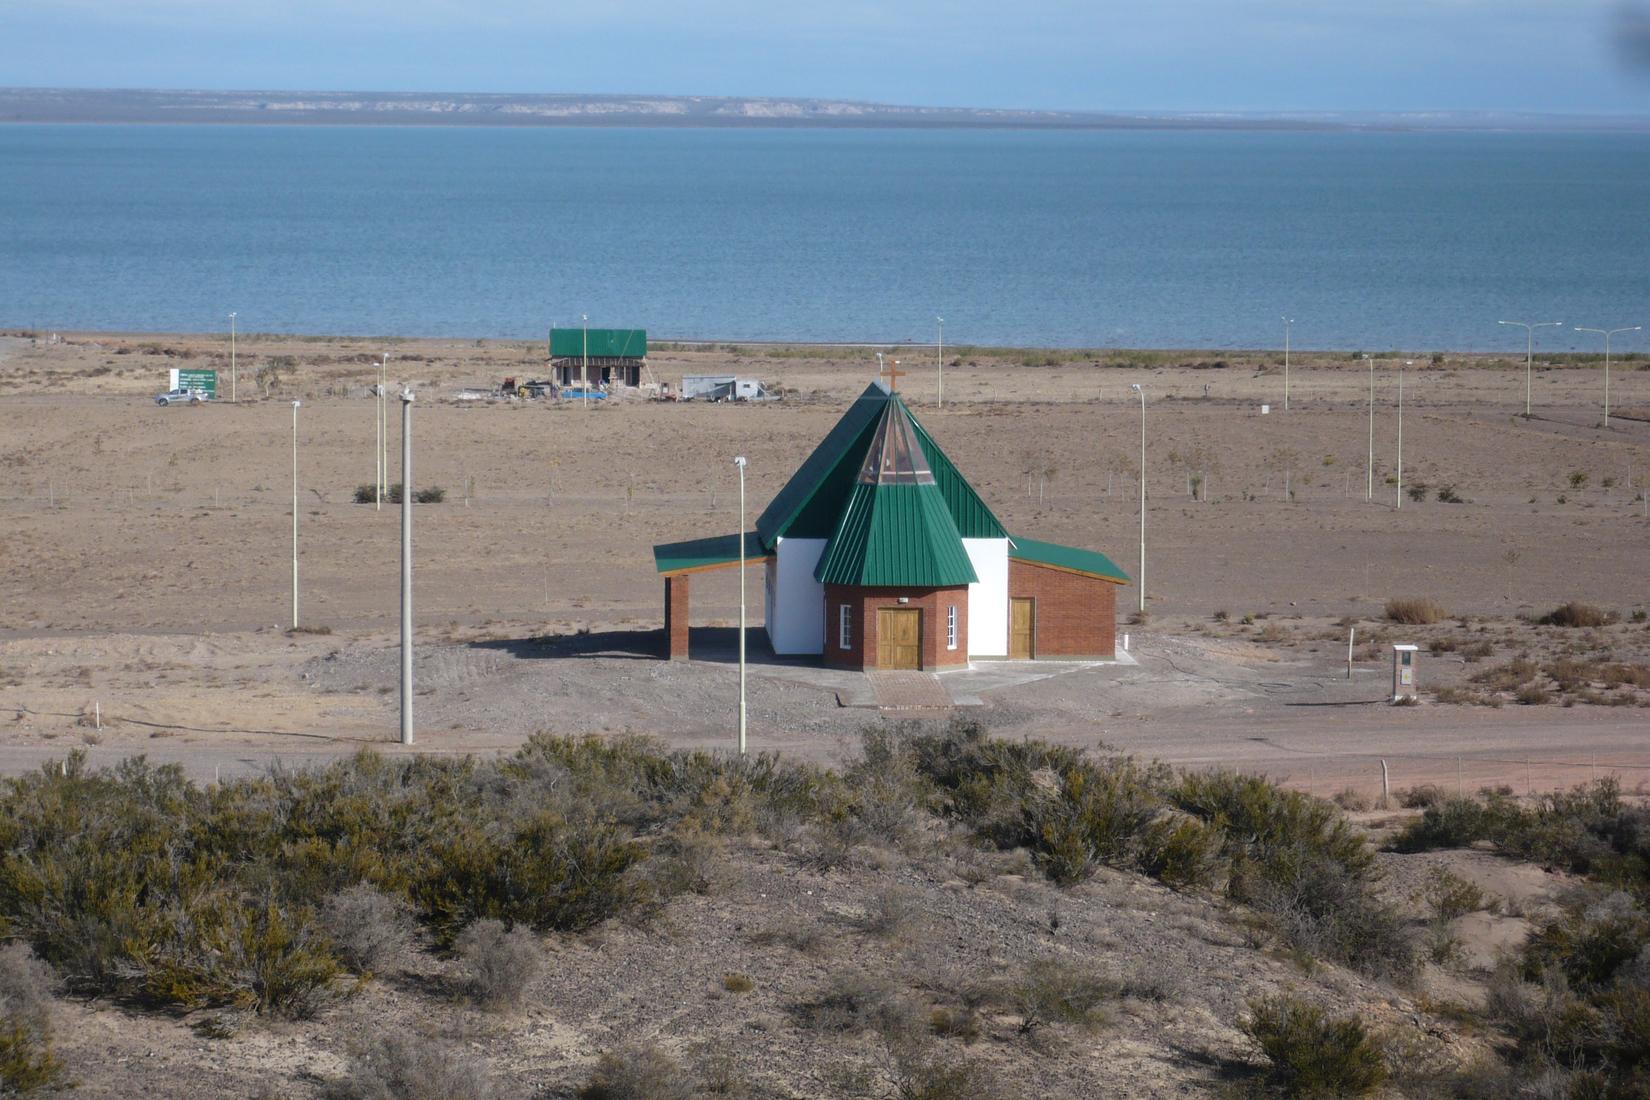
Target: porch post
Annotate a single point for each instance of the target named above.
(676, 617)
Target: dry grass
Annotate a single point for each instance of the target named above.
(498, 963)
(1415, 612)
(1575, 614)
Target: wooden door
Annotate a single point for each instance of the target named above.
(1022, 629)
(899, 638)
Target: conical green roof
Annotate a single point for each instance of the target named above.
(896, 529)
(812, 503)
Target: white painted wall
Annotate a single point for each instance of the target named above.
(988, 599)
(796, 602)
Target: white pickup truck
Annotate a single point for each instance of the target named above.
(182, 397)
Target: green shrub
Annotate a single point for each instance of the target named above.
(368, 494)
(27, 1062)
(1312, 1055)
(1058, 991)
(1449, 895)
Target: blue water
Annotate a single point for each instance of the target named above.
(1371, 241)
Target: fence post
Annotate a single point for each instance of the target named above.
(1386, 788)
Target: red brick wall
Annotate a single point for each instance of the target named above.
(1076, 616)
(676, 617)
(863, 604)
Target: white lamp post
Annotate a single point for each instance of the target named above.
(232, 394)
(1407, 363)
(1529, 351)
(879, 366)
(406, 568)
(295, 405)
(383, 433)
(1288, 323)
(1142, 578)
(584, 369)
(741, 463)
(940, 321)
(1607, 333)
(1369, 489)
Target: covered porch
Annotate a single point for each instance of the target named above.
(679, 562)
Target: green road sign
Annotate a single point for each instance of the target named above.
(205, 381)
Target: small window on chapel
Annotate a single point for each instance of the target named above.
(844, 627)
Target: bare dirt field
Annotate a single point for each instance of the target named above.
(146, 550)
(145, 593)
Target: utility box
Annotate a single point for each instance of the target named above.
(1403, 672)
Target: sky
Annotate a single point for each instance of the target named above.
(1560, 56)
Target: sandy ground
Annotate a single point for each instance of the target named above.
(146, 550)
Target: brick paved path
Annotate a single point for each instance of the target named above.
(908, 689)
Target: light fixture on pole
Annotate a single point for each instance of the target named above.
(940, 321)
(584, 370)
(406, 568)
(741, 463)
(1288, 323)
(880, 367)
(232, 393)
(1141, 579)
(1369, 489)
(295, 405)
(1607, 333)
(1529, 352)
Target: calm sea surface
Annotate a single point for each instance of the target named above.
(1371, 241)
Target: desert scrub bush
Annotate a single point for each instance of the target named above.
(395, 1065)
(1415, 612)
(1508, 677)
(1575, 614)
(891, 912)
(497, 963)
(1058, 991)
(854, 1002)
(1449, 896)
(368, 494)
(27, 1062)
(1312, 1055)
(368, 927)
(642, 1072)
(925, 1076)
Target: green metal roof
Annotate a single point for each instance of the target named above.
(821, 484)
(811, 503)
(896, 536)
(708, 553)
(1053, 554)
(605, 343)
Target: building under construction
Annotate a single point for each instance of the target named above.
(599, 356)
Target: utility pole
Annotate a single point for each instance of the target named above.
(1141, 580)
(584, 371)
(295, 405)
(941, 322)
(1288, 323)
(741, 463)
(406, 569)
(1529, 352)
(232, 393)
(1401, 434)
(1369, 490)
(1607, 333)
(383, 433)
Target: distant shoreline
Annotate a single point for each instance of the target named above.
(45, 106)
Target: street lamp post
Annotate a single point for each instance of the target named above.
(1529, 352)
(383, 433)
(940, 321)
(741, 463)
(232, 393)
(1288, 323)
(1407, 363)
(406, 568)
(1142, 578)
(1607, 333)
(295, 405)
(1369, 489)
(879, 366)
(584, 369)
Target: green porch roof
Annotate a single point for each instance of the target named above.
(1052, 554)
(715, 552)
(896, 536)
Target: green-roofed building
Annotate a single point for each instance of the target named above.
(602, 357)
(879, 554)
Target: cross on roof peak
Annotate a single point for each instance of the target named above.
(891, 371)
